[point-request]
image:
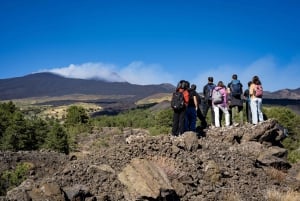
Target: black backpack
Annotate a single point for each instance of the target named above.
(177, 102)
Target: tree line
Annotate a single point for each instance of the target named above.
(19, 131)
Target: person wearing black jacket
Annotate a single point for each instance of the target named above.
(178, 126)
(198, 108)
(207, 104)
(191, 111)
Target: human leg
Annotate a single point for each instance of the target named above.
(212, 115)
(259, 110)
(227, 115)
(193, 119)
(216, 114)
(205, 108)
(175, 123)
(181, 121)
(248, 112)
(241, 115)
(253, 105)
(233, 116)
(201, 118)
(187, 120)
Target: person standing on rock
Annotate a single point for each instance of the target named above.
(191, 110)
(179, 114)
(220, 102)
(247, 100)
(256, 93)
(194, 111)
(207, 104)
(235, 90)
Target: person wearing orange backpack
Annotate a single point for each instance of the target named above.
(256, 93)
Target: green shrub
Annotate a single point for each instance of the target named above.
(76, 115)
(290, 120)
(57, 139)
(294, 156)
(12, 178)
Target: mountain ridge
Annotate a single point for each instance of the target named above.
(50, 84)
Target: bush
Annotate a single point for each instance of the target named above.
(157, 122)
(13, 178)
(57, 139)
(290, 120)
(76, 115)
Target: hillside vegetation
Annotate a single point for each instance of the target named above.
(23, 132)
(27, 131)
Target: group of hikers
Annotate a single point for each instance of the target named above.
(220, 99)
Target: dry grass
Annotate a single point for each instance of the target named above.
(274, 195)
(156, 98)
(231, 196)
(276, 174)
(60, 111)
(169, 166)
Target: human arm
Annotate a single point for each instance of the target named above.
(196, 101)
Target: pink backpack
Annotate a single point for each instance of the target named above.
(258, 91)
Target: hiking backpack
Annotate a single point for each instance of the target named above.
(258, 91)
(235, 88)
(217, 96)
(177, 101)
(209, 91)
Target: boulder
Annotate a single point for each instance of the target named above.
(275, 157)
(190, 140)
(143, 179)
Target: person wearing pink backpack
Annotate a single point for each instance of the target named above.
(219, 102)
(256, 93)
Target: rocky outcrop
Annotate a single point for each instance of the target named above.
(239, 163)
(145, 180)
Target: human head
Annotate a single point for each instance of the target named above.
(249, 83)
(180, 84)
(186, 84)
(221, 84)
(183, 84)
(193, 87)
(210, 79)
(234, 76)
(256, 80)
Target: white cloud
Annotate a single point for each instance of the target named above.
(135, 72)
(88, 71)
(140, 73)
(273, 75)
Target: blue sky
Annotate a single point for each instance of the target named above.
(153, 41)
